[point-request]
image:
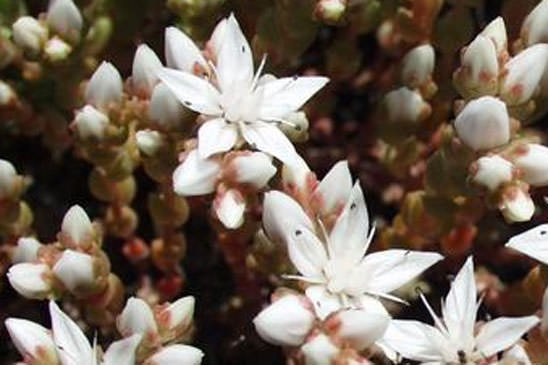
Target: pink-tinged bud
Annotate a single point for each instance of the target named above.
(517, 205)
(105, 87)
(255, 169)
(296, 175)
(479, 71)
(229, 208)
(418, 65)
(285, 322)
(319, 350)
(181, 52)
(483, 124)
(77, 226)
(30, 280)
(178, 315)
(496, 32)
(90, 123)
(491, 172)
(359, 328)
(544, 319)
(149, 142)
(26, 250)
(64, 18)
(533, 164)
(75, 270)
(7, 94)
(164, 108)
(57, 50)
(196, 176)
(8, 179)
(405, 105)
(33, 342)
(29, 34)
(176, 354)
(522, 74)
(137, 318)
(145, 68)
(330, 11)
(534, 28)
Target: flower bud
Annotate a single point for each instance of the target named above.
(418, 65)
(76, 225)
(534, 29)
(137, 318)
(229, 208)
(496, 32)
(75, 270)
(533, 163)
(286, 321)
(517, 205)
(405, 105)
(64, 18)
(26, 250)
(492, 172)
(149, 141)
(104, 87)
(164, 108)
(176, 354)
(330, 11)
(181, 52)
(30, 280)
(483, 124)
(7, 94)
(478, 74)
(29, 34)
(145, 67)
(56, 49)
(253, 168)
(178, 315)
(8, 179)
(358, 327)
(33, 341)
(90, 123)
(319, 351)
(522, 74)
(196, 176)
(296, 175)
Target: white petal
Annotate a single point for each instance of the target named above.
(26, 250)
(32, 341)
(503, 332)
(492, 172)
(75, 270)
(335, 188)
(496, 31)
(532, 163)
(196, 176)
(193, 92)
(104, 87)
(136, 318)
(348, 239)
(179, 313)
(306, 252)
(229, 207)
(164, 108)
(324, 302)
(176, 355)
(297, 175)
(181, 52)
(255, 169)
(281, 214)
(30, 280)
(268, 138)
(417, 65)
(76, 224)
(534, 26)
(74, 347)
(145, 69)
(288, 94)
(533, 243)
(122, 352)
(235, 60)
(216, 136)
(319, 351)
(8, 178)
(359, 327)
(64, 18)
(285, 322)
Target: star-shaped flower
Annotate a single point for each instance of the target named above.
(238, 102)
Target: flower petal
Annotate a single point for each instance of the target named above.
(306, 252)
(216, 136)
(288, 94)
(533, 243)
(181, 52)
(324, 302)
(196, 176)
(229, 207)
(335, 188)
(122, 352)
(268, 138)
(193, 92)
(176, 355)
(281, 214)
(502, 333)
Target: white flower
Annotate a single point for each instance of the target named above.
(176, 355)
(57, 49)
(64, 18)
(532, 162)
(496, 31)
(358, 328)
(145, 70)
(319, 350)
(137, 317)
(105, 87)
(90, 123)
(453, 340)
(253, 168)
(149, 142)
(75, 270)
(31, 280)
(533, 243)
(238, 107)
(334, 263)
(516, 205)
(418, 65)
(76, 225)
(286, 321)
(8, 179)
(33, 341)
(534, 29)
(196, 176)
(181, 52)
(483, 123)
(26, 250)
(164, 108)
(405, 105)
(229, 207)
(492, 172)
(523, 73)
(29, 33)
